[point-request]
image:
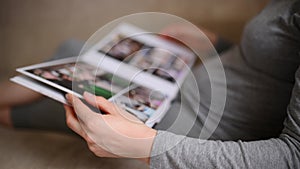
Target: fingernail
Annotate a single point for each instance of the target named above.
(68, 97)
(88, 95)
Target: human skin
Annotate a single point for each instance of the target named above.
(115, 133)
(11, 95)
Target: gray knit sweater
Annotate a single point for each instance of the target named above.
(263, 89)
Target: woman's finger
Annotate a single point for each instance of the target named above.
(100, 102)
(84, 114)
(108, 107)
(72, 121)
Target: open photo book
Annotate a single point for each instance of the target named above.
(138, 70)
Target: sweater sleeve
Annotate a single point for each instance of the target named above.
(174, 151)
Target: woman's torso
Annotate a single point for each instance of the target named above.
(259, 76)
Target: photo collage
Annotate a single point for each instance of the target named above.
(80, 77)
(154, 60)
(134, 68)
(141, 101)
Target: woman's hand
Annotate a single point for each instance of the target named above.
(199, 39)
(115, 133)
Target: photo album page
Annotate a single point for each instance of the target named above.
(140, 71)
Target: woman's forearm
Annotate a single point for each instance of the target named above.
(173, 151)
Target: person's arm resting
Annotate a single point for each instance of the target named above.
(282, 152)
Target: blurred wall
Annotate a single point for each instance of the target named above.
(31, 30)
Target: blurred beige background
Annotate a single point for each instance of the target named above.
(31, 30)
